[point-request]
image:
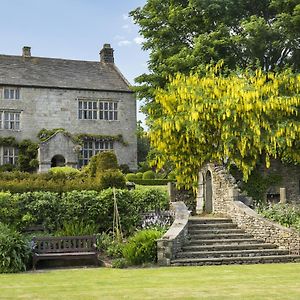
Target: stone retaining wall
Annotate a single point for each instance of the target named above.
(174, 238)
(225, 198)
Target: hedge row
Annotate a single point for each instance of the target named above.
(53, 210)
(21, 182)
(151, 181)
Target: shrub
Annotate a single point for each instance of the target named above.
(151, 181)
(112, 178)
(14, 250)
(131, 177)
(142, 248)
(72, 228)
(139, 175)
(101, 162)
(151, 199)
(107, 245)
(124, 169)
(63, 170)
(119, 263)
(9, 210)
(149, 175)
(285, 214)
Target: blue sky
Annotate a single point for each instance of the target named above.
(74, 29)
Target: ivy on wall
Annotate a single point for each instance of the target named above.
(27, 156)
(45, 134)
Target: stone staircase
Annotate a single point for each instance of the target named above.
(218, 241)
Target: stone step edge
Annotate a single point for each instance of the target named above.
(246, 251)
(249, 258)
(201, 241)
(218, 246)
(218, 235)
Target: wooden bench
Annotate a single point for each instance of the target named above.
(66, 247)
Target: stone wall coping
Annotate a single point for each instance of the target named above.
(181, 219)
(250, 212)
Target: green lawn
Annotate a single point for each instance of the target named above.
(277, 281)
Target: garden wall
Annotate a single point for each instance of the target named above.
(226, 198)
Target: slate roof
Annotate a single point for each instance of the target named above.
(61, 73)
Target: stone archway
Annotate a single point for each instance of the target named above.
(58, 161)
(200, 194)
(208, 193)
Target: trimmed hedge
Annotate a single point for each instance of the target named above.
(53, 210)
(151, 181)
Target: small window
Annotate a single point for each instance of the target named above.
(10, 155)
(9, 120)
(11, 93)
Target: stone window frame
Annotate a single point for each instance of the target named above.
(98, 109)
(92, 147)
(9, 155)
(11, 93)
(10, 120)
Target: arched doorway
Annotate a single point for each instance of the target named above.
(58, 161)
(208, 192)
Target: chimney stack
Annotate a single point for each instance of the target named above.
(26, 51)
(107, 54)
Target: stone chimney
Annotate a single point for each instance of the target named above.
(26, 51)
(107, 54)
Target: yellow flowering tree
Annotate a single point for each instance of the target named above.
(235, 119)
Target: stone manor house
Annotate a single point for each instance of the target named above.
(87, 98)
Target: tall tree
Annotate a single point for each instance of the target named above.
(184, 35)
(234, 119)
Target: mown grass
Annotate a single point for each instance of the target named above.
(276, 281)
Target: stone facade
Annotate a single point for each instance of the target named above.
(50, 99)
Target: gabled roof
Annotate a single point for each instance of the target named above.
(61, 73)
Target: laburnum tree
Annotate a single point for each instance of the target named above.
(234, 120)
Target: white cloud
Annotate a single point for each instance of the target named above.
(126, 26)
(124, 43)
(139, 40)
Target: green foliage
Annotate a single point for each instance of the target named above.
(149, 175)
(14, 250)
(142, 248)
(78, 228)
(44, 134)
(285, 214)
(112, 178)
(108, 246)
(27, 154)
(258, 185)
(54, 210)
(131, 177)
(139, 175)
(184, 36)
(124, 168)
(102, 162)
(63, 170)
(151, 199)
(235, 119)
(151, 181)
(119, 263)
(143, 143)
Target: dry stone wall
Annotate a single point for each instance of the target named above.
(225, 201)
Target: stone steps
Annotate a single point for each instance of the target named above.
(216, 241)
(227, 247)
(232, 253)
